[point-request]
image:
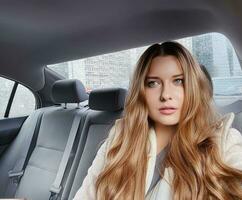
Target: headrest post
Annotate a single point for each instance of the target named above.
(65, 105)
(78, 105)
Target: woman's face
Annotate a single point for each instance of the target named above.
(164, 90)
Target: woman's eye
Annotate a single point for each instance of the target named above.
(152, 84)
(179, 81)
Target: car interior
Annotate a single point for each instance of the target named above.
(46, 153)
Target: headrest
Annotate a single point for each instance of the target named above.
(69, 91)
(109, 99)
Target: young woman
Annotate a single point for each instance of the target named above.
(170, 144)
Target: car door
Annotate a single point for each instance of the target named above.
(16, 103)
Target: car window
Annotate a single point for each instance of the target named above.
(5, 91)
(22, 102)
(219, 57)
(213, 50)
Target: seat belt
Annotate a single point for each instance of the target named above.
(17, 172)
(56, 186)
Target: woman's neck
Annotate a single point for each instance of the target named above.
(163, 135)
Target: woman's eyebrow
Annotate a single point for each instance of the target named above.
(156, 77)
(177, 75)
(152, 77)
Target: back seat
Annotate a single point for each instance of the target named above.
(53, 134)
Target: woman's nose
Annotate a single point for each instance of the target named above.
(165, 93)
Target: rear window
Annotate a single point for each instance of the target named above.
(115, 69)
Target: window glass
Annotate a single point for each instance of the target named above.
(23, 102)
(6, 87)
(115, 69)
(218, 55)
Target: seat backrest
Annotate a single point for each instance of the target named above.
(106, 105)
(44, 162)
(12, 156)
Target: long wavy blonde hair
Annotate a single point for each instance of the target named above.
(194, 156)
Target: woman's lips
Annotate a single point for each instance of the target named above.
(167, 111)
